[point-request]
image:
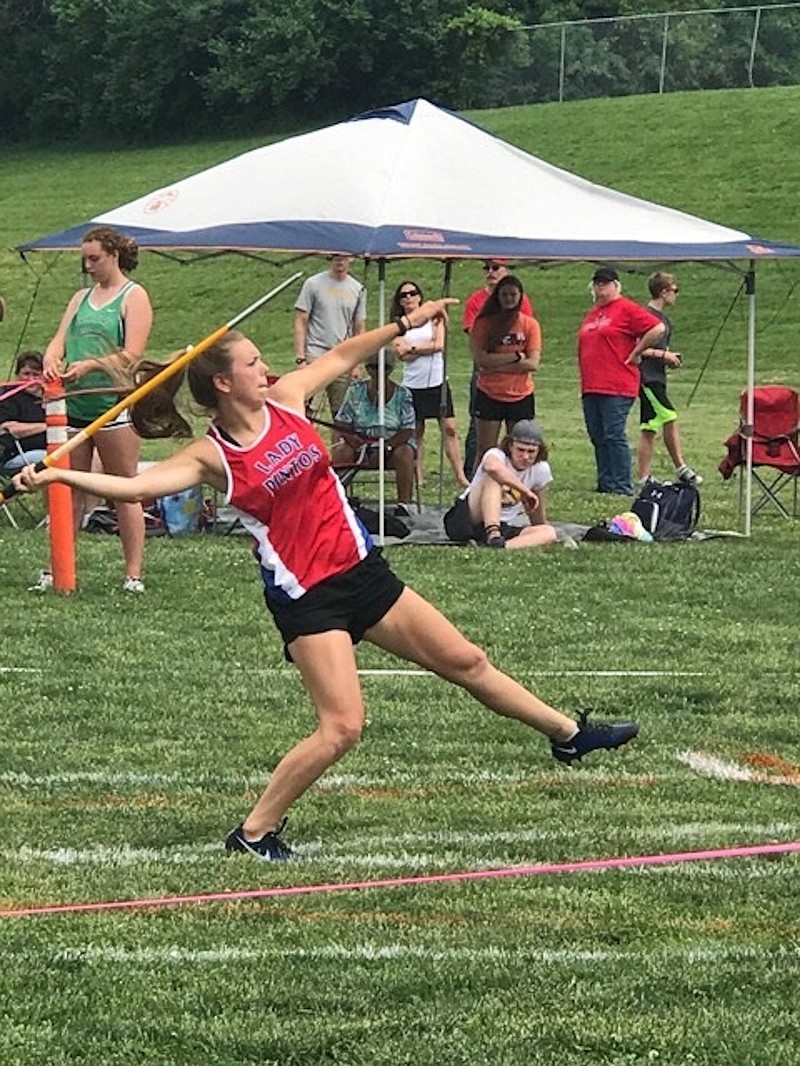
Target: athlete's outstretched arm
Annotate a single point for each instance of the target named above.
(197, 462)
(294, 389)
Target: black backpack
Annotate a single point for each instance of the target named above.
(670, 511)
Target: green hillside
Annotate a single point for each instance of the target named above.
(728, 156)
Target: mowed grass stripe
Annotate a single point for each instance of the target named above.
(375, 850)
(710, 953)
(427, 776)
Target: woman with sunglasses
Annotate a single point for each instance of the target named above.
(326, 585)
(506, 347)
(422, 353)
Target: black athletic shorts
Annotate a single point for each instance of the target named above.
(354, 602)
(486, 409)
(460, 528)
(655, 407)
(428, 403)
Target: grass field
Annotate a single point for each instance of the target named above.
(137, 731)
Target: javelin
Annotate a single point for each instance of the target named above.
(171, 368)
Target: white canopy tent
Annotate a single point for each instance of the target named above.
(411, 181)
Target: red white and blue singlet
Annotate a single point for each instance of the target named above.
(286, 494)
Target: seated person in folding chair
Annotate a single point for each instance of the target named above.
(22, 426)
(509, 485)
(357, 422)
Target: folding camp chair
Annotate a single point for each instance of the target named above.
(776, 446)
(348, 473)
(7, 470)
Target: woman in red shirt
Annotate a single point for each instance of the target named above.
(506, 346)
(610, 340)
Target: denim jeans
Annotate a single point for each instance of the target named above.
(17, 462)
(605, 418)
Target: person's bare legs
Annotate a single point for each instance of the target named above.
(416, 631)
(644, 455)
(487, 434)
(672, 442)
(402, 461)
(335, 393)
(343, 454)
(327, 665)
(80, 458)
(484, 502)
(419, 436)
(533, 537)
(452, 449)
(119, 451)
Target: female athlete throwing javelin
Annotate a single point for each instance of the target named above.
(325, 583)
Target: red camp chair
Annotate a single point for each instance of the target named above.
(776, 445)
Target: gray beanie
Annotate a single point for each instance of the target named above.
(528, 431)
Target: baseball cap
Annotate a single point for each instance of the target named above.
(528, 431)
(605, 274)
(495, 260)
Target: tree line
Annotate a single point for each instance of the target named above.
(146, 70)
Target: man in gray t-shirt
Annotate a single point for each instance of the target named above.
(331, 306)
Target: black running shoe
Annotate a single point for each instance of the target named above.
(592, 736)
(497, 540)
(270, 847)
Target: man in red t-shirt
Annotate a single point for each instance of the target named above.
(494, 269)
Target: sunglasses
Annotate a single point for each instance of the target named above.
(404, 295)
(493, 266)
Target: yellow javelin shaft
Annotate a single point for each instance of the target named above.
(171, 368)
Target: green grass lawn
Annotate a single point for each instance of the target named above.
(138, 730)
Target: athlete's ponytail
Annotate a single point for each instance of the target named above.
(156, 414)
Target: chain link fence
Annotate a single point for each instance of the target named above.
(713, 48)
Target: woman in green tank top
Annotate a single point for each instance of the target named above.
(103, 327)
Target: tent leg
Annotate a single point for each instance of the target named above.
(750, 289)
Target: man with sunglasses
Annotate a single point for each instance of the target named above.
(494, 270)
(657, 412)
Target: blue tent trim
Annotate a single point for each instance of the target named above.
(408, 241)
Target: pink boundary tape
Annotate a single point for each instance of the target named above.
(584, 866)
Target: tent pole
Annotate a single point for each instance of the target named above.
(381, 404)
(751, 383)
(446, 285)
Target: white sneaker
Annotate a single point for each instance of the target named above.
(133, 584)
(43, 582)
(689, 476)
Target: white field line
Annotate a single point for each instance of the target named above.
(697, 762)
(424, 777)
(405, 851)
(529, 672)
(288, 671)
(427, 777)
(712, 766)
(366, 952)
